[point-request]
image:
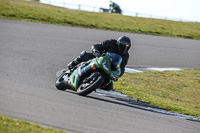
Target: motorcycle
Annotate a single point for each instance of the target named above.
(88, 76)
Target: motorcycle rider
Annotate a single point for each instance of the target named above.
(114, 8)
(120, 46)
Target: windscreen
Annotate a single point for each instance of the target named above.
(115, 60)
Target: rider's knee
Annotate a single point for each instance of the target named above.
(85, 56)
(83, 53)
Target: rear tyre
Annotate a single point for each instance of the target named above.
(59, 82)
(90, 87)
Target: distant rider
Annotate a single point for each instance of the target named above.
(120, 46)
(114, 8)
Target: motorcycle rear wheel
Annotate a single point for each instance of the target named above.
(93, 86)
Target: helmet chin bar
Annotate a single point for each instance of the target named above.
(123, 48)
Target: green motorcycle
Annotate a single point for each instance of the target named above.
(88, 76)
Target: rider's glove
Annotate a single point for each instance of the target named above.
(113, 77)
(96, 53)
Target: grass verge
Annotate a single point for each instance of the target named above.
(10, 125)
(37, 12)
(178, 91)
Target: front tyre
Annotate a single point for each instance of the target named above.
(59, 82)
(87, 88)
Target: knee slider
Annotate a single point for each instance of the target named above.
(83, 53)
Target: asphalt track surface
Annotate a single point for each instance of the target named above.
(32, 53)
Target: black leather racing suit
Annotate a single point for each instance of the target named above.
(103, 47)
(111, 46)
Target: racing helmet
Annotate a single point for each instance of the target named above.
(124, 44)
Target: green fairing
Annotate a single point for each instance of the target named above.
(75, 76)
(100, 63)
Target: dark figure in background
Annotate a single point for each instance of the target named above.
(120, 46)
(115, 8)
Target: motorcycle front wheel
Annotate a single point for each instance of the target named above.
(59, 82)
(87, 88)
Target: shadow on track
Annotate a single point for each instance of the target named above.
(144, 106)
(134, 103)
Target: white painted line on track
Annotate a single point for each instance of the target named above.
(165, 69)
(134, 70)
(131, 70)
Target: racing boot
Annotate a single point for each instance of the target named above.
(78, 60)
(72, 64)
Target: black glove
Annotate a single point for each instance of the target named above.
(96, 53)
(113, 77)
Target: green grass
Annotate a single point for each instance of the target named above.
(178, 91)
(37, 12)
(10, 125)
